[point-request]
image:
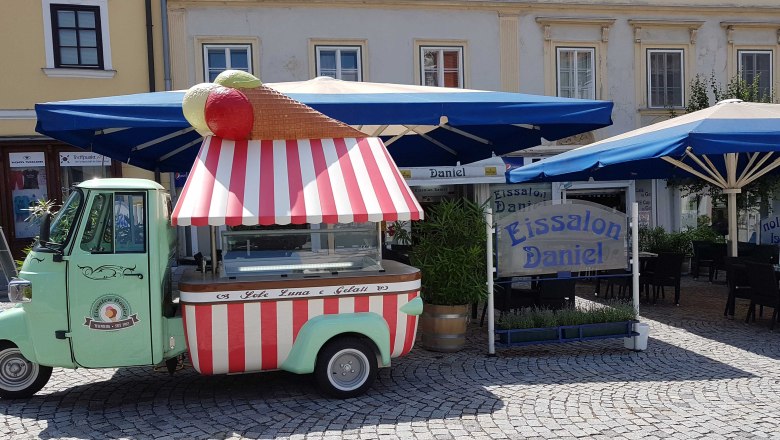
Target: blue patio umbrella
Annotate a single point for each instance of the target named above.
(729, 145)
(422, 126)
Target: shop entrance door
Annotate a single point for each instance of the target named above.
(618, 195)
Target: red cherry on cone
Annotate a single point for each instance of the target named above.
(229, 113)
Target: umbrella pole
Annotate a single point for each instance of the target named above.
(732, 204)
(635, 255)
(490, 310)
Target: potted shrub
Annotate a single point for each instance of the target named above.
(657, 240)
(449, 250)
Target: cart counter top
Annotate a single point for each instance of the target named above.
(396, 277)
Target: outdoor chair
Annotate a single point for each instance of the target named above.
(719, 252)
(702, 257)
(507, 298)
(764, 253)
(646, 273)
(556, 291)
(737, 282)
(764, 290)
(667, 272)
(622, 284)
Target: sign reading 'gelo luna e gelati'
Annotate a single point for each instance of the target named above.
(552, 237)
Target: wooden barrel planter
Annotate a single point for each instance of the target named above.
(443, 328)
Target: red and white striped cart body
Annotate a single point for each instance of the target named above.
(251, 325)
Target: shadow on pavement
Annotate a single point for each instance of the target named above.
(421, 387)
(701, 313)
(140, 403)
(424, 386)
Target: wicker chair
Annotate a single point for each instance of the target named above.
(763, 283)
(737, 281)
(667, 272)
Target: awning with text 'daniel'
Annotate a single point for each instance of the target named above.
(280, 182)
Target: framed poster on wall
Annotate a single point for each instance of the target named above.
(28, 185)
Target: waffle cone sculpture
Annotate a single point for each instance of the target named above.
(238, 106)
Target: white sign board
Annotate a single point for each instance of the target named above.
(508, 199)
(26, 160)
(644, 198)
(454, 175)
(570, 236)
(426, 194)
(83, 159)
(770, 230)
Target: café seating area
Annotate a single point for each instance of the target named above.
(752, 278)
(554, 291)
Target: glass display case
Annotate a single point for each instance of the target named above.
(309, 250)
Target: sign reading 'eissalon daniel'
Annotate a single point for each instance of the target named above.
(553, 237)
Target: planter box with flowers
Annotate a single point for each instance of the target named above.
(542, 326)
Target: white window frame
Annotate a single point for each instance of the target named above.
(649, 85)
(338, 48)
(592, 51)
(226, 47)
(440, 62)
(53, 71)
(758, 51)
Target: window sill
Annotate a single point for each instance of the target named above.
(78, 73)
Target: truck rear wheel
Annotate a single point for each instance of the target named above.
(20, 378)
(346, 367)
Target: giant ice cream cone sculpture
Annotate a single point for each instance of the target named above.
(238, 106)
(268, 159)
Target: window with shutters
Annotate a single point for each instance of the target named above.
(441, 66)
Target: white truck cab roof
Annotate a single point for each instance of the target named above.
(120, 183)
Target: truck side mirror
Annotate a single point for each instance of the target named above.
(43, 235)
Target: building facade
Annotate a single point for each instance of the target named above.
(58, 50)
(641, 55)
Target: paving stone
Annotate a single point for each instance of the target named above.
(703, 376)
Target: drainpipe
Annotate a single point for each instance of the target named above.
(150, 44)
(165, 44)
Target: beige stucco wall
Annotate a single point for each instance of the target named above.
(24, 82)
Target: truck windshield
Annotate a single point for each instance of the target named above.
(63, 221)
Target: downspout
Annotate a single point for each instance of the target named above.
(150, 45)
(165, 45)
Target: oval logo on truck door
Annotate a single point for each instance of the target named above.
(110, 312)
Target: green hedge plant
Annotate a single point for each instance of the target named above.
(616, 311)
(658, 240)
(449, 250)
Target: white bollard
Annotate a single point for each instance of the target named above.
(638, 343)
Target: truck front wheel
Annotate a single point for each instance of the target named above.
(346, 367)
(20, 378)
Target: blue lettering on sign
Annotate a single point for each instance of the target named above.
(771, 224)
(558, 223)
(564, 257)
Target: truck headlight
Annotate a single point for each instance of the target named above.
(19, 290)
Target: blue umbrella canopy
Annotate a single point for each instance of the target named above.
(666, 149)
(729, 145)
(422, 126)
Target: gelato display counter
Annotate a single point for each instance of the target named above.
(315, 249)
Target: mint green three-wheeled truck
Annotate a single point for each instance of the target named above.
(96, 292)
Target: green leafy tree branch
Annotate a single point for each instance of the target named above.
(757, 195)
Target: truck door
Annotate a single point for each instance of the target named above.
(108, 282)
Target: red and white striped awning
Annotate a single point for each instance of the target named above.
(294, 181)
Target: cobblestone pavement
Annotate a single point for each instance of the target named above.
(703, 376)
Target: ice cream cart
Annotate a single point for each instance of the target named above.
(300, 285)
